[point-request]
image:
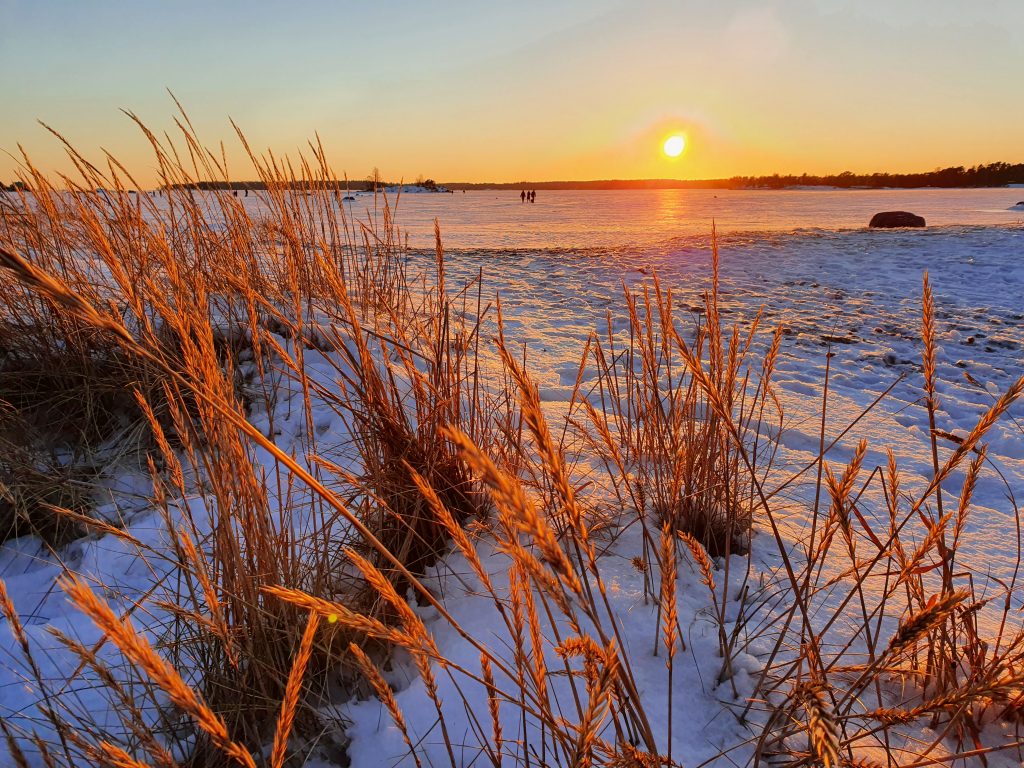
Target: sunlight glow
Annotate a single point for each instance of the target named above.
(674, 146)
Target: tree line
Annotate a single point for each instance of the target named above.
(991, 175)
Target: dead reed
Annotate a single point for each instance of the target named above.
(204, 344)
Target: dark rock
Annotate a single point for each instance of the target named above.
(891, 219)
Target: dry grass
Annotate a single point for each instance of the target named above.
(673, 411)
(35, 482)
(173, 326)
(917, 636)
(141, 320)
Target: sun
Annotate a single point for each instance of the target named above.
(674, 145)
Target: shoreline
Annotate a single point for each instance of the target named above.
(611, 185)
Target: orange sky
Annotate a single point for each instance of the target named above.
(581, 89)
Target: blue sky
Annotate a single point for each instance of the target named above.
(540, 90)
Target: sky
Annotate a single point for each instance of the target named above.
(526, 89)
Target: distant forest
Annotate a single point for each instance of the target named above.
(991, 175)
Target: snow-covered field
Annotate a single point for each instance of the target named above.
(855, 294)
(849, 298)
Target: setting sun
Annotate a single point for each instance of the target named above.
(674, 146)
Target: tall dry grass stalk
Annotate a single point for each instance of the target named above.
(197, 312)
(913, 635)
(651, 417)
(286, 719)
(193, 327)
(140, 652)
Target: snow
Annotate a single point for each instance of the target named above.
(702, 723)
(852, 293)
(856, 294)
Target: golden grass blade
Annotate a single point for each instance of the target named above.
(141, 653)
(291, 695)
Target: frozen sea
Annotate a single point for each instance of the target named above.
(644, 219)
(806, 257)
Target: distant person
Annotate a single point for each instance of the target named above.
(533, 195)
(522, 196)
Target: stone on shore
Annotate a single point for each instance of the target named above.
(892, 219)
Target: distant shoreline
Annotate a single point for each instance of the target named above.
(709, 185)
(605, 186)
(579, 186)
(957, 177)
(991, 176)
